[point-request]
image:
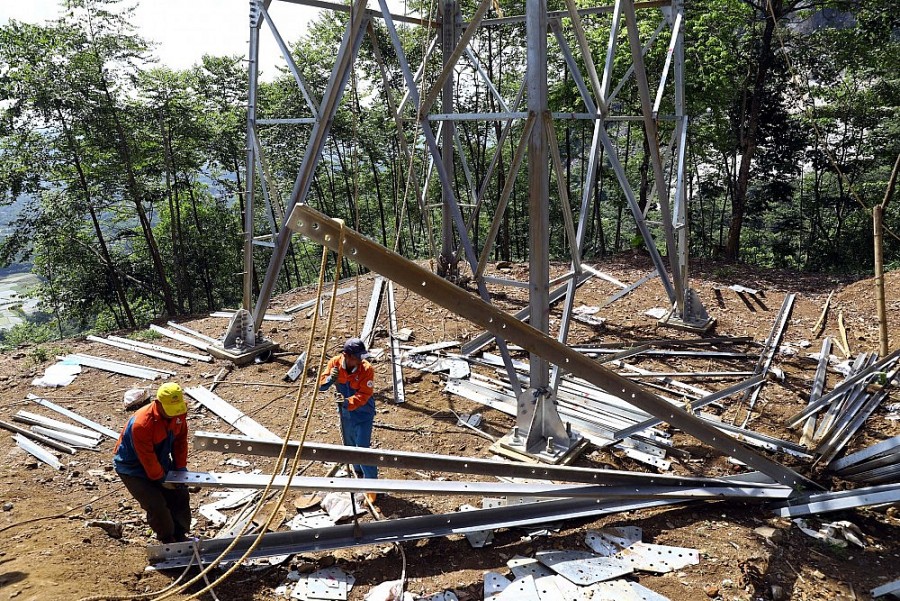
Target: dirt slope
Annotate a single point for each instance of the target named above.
(63, 559)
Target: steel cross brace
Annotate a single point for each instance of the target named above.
(322, 229)
(386, 458)
(556, 491)
(403, 529)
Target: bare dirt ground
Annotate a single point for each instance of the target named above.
(59, 557)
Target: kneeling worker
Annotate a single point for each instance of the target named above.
(153, 443)
(354, 378)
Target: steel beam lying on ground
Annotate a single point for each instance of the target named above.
(481, 341)
(446, 487)
(835, 501)
(162, 349)
(385, 458)
(117, 367)
(845, 386)
(74, 416)
(142, 351)
(233, 416)
(403, 529)
(324, 230)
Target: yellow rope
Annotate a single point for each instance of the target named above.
(296, 459)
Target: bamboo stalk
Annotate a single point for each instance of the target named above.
(845, 344)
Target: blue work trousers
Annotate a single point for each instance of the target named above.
(357, 431)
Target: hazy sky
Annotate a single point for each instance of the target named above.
(185, 30)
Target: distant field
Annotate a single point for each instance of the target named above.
(14, 298)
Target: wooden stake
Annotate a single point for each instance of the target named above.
(845, 344)
(878, 227)
(820, 325)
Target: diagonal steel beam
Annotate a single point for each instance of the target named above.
(292, 66)
(652, 133)
(324, 230)
(446, 182)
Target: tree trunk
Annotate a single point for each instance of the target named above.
(749, 135)
(98, 231)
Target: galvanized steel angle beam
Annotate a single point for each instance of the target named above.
(190, 341)
(136, 349)
(836, 501)
(405, 529)
(74, 416)
(880, 367)
(847, 428)
(118, 367)
(162, 349)
(891, 588)
(35, 419)
(771, 346)
(381, 485)
(37, 451)
(324, 230)
(885, 446)
(699, 403)
(396, 369)
(230, 414)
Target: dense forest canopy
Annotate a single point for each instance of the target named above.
(133, 173)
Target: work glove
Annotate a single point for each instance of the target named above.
(333, 375)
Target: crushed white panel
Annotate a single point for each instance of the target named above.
(38, 451)
(458, 368)
(522, 589)
(583, 568)
(74, 416)
(58, 375)
(101, 363)
(494, 584)
(610, 541)
(656, 312)
(659, 559)
(233, 416)
(623, 590)
(188, 340)
(527, 566)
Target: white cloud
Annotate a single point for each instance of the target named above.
(186, 30)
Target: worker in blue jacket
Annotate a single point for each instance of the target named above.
(354, 379)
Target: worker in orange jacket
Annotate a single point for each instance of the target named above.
(153, 443)
(354, 379)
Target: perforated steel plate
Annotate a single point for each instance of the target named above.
(610, 541)
(583, 568)
(494, 584)
(527, 566)
(659, 558)
(522, 589)
(623, 590)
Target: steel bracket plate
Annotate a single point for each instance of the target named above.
(610, 541)
(583, 568)
(659, 559)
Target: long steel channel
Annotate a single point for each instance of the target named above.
(324, 230)
(444, 488)
(315, 451)
(403, 529)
